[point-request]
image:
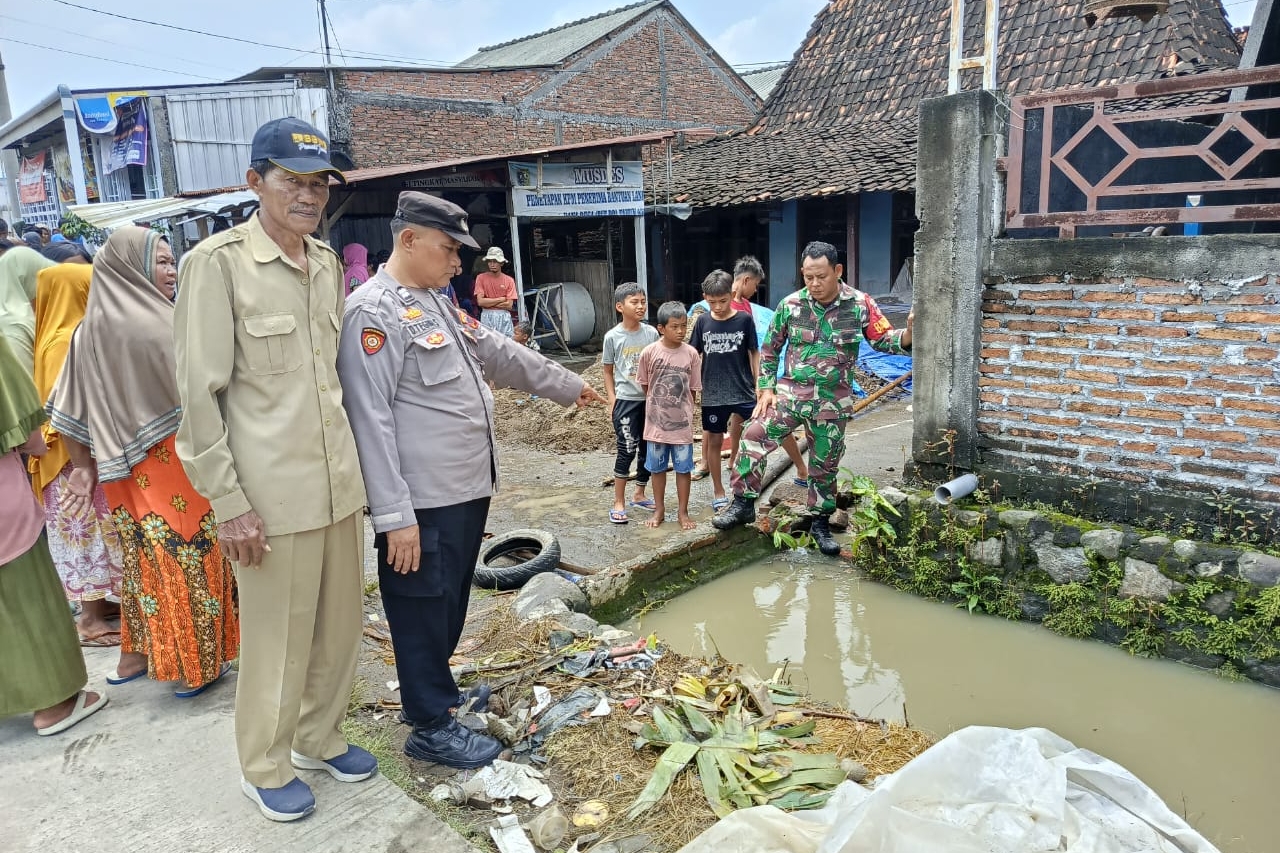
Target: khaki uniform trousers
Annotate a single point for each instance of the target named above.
(301, 615)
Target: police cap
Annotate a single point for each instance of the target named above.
(428, 211)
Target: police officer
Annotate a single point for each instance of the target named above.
(822, 326)
(414, 371)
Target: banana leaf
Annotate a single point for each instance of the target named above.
(798, 730)
(669, 726)
(699, 723)
(673, 760)
(733, 787)
(690, 686)
(819, 778)
(798, 800)
(797, 760)
(748, 740)
(751, 774)
(709, 776)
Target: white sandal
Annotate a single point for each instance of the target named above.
(80, 712)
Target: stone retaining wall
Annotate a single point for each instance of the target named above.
(1212, 605)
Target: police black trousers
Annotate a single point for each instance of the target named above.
(426, 609)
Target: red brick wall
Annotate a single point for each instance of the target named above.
(624, 85)
(1162, 384)
(628, 82)
(465, 85)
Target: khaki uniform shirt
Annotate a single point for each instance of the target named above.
(256, 340)
(414, 369)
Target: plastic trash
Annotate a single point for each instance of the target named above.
(979, 790)
(547, 829)
(509, 837)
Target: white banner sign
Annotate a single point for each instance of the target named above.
(565, 190)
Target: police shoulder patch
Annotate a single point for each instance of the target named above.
(372, 339)
(467, 320)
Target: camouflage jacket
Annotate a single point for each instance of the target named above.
(822, 349)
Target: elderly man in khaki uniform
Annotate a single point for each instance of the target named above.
(265, 438)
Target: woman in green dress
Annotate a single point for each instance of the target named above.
(41, 667)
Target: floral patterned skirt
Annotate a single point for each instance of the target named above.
(84, 547)
(178, 596)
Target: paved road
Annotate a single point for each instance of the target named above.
(154, 774)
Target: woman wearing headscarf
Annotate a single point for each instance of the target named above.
(67, 252)
(116, 407)
(84, 545)
(41, 668)
(18, 268)
(355, 259)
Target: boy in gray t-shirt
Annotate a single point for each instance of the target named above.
(621, 358)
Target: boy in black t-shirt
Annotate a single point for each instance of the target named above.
(726, 340)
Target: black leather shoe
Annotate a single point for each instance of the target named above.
(453, 745)
(741, 511)
(821, 533)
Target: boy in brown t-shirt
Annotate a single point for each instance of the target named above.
(670, 372)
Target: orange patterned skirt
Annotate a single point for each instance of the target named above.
(177, 602)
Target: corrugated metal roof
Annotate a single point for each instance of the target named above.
(118, 213)
(762, 80)
(551, 47)
(376, 172)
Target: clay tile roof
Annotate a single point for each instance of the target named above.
(885, 56)
(868, 64)
(799, 162)
(551, 47)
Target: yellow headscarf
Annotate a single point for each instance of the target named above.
(62, 292)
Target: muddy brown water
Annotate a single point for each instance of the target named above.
(1209, 747)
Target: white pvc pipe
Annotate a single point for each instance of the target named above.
(960, 487)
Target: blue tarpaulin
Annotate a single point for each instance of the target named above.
(885, 366)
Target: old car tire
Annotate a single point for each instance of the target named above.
(530, 552)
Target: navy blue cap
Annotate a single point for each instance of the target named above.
(294, 146)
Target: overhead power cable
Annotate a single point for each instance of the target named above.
(115, 43)
(224, 37)
(63, 50)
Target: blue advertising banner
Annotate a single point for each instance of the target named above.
(95, 114)
(129, 146)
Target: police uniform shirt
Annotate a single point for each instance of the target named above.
(256, 341)
(414, 371)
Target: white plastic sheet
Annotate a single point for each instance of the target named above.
(979, 790)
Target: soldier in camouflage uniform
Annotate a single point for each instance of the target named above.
(822, 326)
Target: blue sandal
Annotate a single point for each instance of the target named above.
(196, 691)
(116, 681)
(618, 516)
(718, 504)
(647, 503)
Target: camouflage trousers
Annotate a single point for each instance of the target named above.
(763, 435)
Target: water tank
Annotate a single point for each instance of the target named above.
(572, 309)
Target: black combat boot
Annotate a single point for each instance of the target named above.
(821, 533)
(741, 511)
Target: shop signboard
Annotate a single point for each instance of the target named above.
(571, 190)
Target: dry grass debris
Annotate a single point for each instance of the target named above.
(598, 760)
